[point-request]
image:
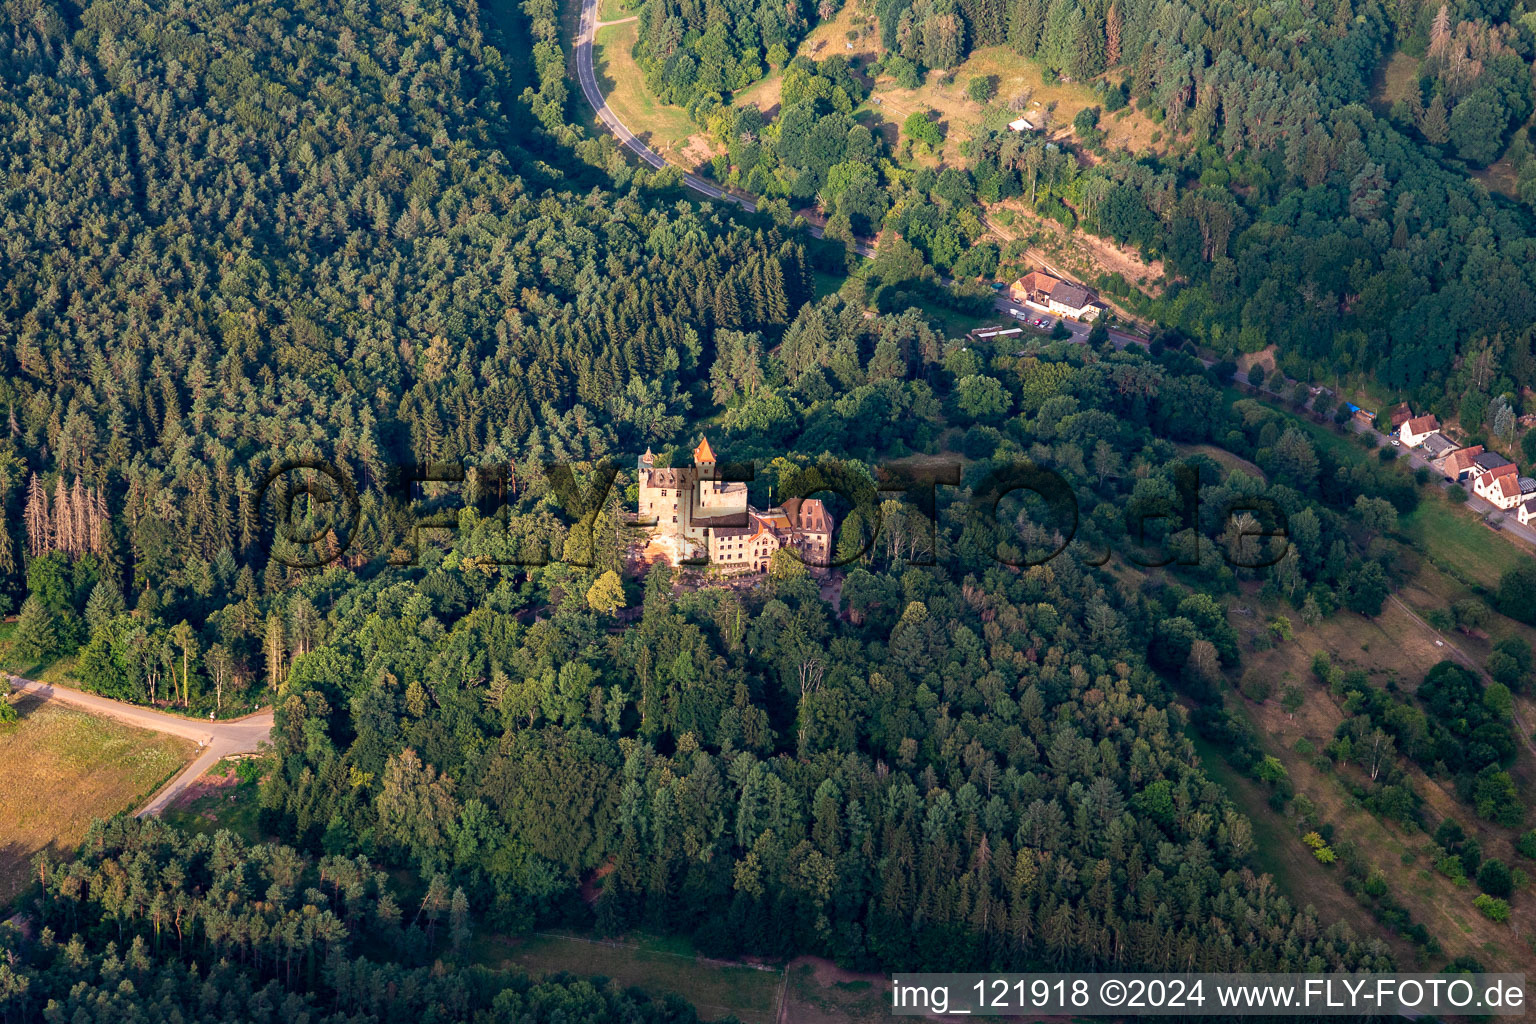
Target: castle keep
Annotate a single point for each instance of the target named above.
(697, 515)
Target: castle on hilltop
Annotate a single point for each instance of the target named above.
(697, 514)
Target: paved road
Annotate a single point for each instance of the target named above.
(585, 38)
(588, 78)
(216, 740)
(1120, 339)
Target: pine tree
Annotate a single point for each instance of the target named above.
(37, 634)
(65, 538)
(275, 649)
(1436, 126)
(39, 522)
(104, 604)
(1440, 32)
(458, 920)
(80, 507)
(186, 639)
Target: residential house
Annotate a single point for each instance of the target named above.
(1527, 511)
(1402, 414)
(1438, 446)
(1499, 485)
(1072, 300)
(1032, 287)
(1023, 124)
(1459, 463)
(1415, 430)
(1487, 462)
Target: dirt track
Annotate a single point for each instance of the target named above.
(216, 740)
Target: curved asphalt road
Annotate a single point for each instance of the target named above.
(217, 740)
(586, 36)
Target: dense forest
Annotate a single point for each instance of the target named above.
(240, 236)
(148, 924)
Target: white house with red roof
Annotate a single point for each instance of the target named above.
(1414, 430)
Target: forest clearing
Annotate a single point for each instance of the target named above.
(105, 767)
(658, 966)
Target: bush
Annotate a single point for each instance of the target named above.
(1256, 685)
(982, 88)
(1516, 596)
(1493, 909)
(1494, 878)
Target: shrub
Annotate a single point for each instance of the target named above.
(1493, 909)
(1494, 878)
(1451, 867)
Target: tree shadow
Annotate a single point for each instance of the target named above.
(18, 881)
(26, 703)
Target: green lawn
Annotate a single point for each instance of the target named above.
(827, 284)
(654, 965)
(1455, 539)
(233, 809)
(663, 127)
(953, 324)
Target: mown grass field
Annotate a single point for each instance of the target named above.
(65, 768)
(1228, 461)
(1455, 539)
(654, 965)
(663, 127)
(1394, 79)
(1393, 651)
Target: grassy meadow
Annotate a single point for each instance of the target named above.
(102, 767)
(655, 965)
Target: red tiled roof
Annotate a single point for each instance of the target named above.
(1423, 424)
(704, 453)
(1035, 281)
